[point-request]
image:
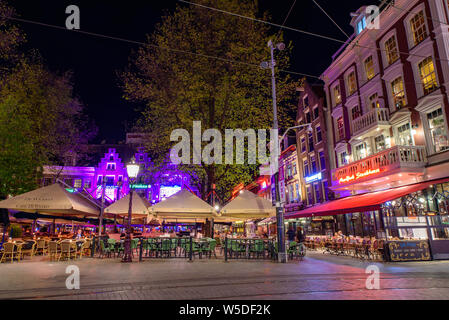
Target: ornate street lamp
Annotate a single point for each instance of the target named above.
(133, 170)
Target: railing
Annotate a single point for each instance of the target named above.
(396, 157)
(371, 119)
(249, 249)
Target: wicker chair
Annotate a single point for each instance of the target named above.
(53, 250)
(10, 251)
(68, 250)
(42, 247)
(29, 249)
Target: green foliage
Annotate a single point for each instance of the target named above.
(16, 231)
(178, 88)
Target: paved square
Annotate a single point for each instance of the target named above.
(317, 277)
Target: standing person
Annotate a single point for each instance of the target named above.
(291, 234)
(300, 235)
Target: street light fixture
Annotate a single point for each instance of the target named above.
(133, 170)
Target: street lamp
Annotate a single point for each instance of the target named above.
(279, 209)
(133, 169)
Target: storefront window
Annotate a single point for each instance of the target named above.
(438, 130)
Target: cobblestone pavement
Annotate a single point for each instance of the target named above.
(317, 277)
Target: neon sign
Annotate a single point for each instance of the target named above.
(359, 175)
(315, 177)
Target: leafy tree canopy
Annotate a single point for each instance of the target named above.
(179, 88)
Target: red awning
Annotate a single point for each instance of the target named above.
(363, 202)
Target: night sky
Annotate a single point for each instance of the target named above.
(95, 61)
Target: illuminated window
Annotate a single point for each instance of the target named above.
(352, 83)
(373, 101)
(340, 128)
(360, 151)
(418, 27)
(405, 135)
(356, 112)
(380, 143)
(428, 76)
(397, 87)
(438, 130)
(337, 95)
(344, 159)
(391, 50)
(111, 166)
(78, 183)
(369, 68)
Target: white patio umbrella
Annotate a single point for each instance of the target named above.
(53, 200)
(247, 206)
(183, 206)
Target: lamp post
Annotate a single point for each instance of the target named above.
(133, 169)
(282, 256)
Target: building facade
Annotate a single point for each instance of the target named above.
(313, 155)
(110, 175)
(388, 109)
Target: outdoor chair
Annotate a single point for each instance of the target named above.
(112, 246)
(86, 248)
(104, 250)
(10, 251)
(29, 249)
(212, 247)
(174, 246)
(258, 249)
(291, 251)
(53, 250)
(165, 247)
(134, 245)
(68, 250)
(42, 247)
(236, 249)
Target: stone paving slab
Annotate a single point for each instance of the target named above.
(317, 277)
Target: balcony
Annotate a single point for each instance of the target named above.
(372, 120)
(394, 161)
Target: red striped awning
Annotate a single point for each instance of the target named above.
(363, 202)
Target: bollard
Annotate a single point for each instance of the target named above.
(141, 250)
(226, 249)
(191, 250)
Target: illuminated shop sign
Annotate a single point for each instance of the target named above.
(141, 186)
(359, 175)
(315, 177)
(167, 192)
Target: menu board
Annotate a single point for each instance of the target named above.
(409, 251)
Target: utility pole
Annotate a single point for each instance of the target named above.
(282, 257)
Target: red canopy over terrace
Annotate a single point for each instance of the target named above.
(363, 202)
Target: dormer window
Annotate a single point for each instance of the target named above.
(361, 25)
